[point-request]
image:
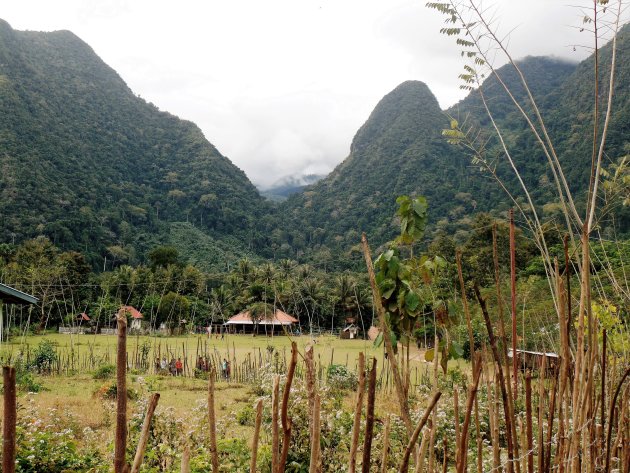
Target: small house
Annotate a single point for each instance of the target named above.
(350, 332)
(243, 323)
(136, 316)
(531, 360)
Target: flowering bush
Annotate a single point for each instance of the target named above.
(50, 444)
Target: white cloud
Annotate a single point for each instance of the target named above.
(281, 87)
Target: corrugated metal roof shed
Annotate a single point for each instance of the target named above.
(10, 295)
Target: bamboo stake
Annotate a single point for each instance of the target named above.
(214, 454)
(369, 420)
(185, 465)
(259, 412)
(541, 414)
(120, 446)
(424, 445)
(286, 420)
(10, 419)
(144, 434)
(356, 426)
(404, 465)
(275, 435)
(315, 438)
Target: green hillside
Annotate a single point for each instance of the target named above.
(400, 150)
(97, 169)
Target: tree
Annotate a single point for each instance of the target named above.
(162, 256)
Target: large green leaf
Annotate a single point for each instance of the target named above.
(412, 301)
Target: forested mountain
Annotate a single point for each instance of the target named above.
(401, 150)
(96, 168)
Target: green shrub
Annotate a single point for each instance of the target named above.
(44, 357)
(340, 378)
(246, 416)
(105, 372)
(26, 383)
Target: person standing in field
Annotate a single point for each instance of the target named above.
(224, 368)
(179, 367)
(163, 365)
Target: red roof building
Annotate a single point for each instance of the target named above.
(127, 309)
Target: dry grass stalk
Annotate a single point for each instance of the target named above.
(529, 448)
(462, 447)
(10, 419)
(541, 414)
(214, 453)
(513, 302)
(144, 434)
(120, 445)
(275, 434)
(404, 465)
(369, 420)
(478, 437)
(502, 382)
(356, 425)
(493, 416)
(315, 438)
(286, 420)
(550, 418)
(621, 430)
(259, 413)
(385, 453)
(456, 413)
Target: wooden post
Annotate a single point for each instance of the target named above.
(286, 420)
(315, 438)
(275, 436)
(185, 465)
(144, 435)
(120, 446)
(259, 412)
(369, 420)
(356, 426)
(214, 454)
(10, 419)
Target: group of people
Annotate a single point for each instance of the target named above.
(204, 366)
(174, 367)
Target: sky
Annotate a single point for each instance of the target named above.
(280, 87)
